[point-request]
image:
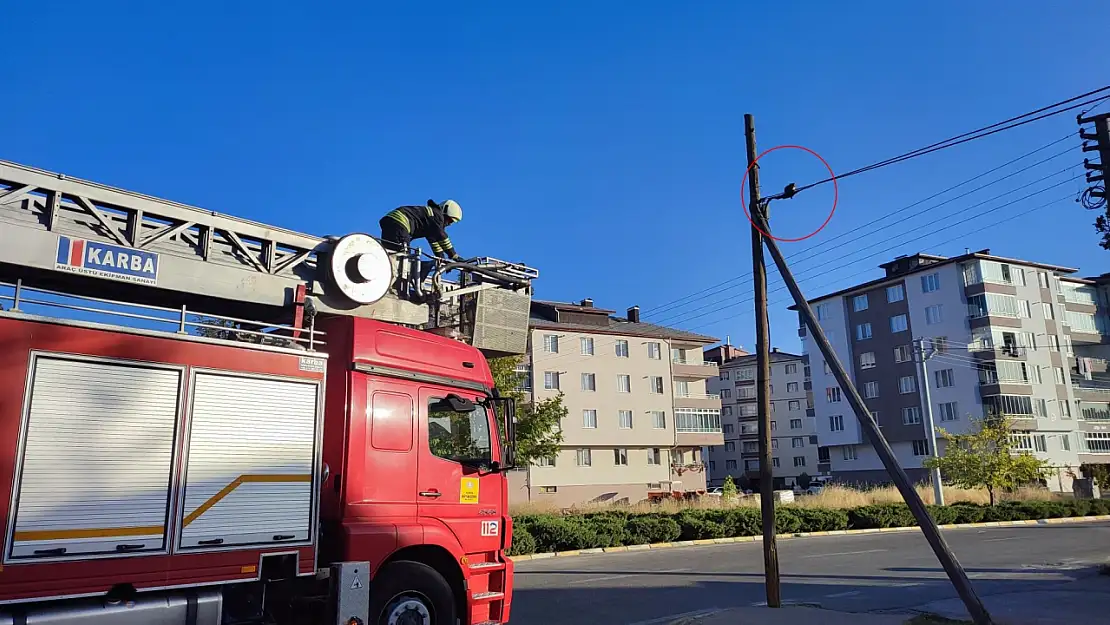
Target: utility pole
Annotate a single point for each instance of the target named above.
(947, 559)
(763, 376)
(930, 425)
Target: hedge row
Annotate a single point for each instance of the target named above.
(541, 533)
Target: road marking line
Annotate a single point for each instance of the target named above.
(673, 617)
(845, 553)
(624, 575)
(850, 593)
(998, 540)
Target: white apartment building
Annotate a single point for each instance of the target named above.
(794, 442)
(638, 410)
(1006, 334)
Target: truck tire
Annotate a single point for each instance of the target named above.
(411, 593)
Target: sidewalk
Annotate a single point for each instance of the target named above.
(1085, 600)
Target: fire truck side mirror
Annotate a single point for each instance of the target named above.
(508, 427)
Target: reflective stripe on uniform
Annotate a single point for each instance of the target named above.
(400, 218)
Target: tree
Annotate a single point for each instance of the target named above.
(538, 431)
(985, 456)
(1100, 473)
(728, 489)
(804, 481)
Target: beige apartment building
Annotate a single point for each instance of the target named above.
(638, 410)
(794, 443)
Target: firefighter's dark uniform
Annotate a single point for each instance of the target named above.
(405, 223)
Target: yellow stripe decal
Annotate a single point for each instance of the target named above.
(158, 530)
(401, 219)
(242, 479)
(103, 532)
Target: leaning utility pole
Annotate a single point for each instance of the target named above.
(956, 573)
(930, 425)
(763, 377)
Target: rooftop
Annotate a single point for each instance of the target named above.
(584, 317)
(903, 266)
(748, 359)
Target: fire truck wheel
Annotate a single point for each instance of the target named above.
(411, 593)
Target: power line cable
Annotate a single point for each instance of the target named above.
(986, 131)
(1070, 135)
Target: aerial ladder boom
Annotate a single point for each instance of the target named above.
(73, 235)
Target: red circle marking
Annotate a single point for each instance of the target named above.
(836, 192)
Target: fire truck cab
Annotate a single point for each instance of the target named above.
(206, 420)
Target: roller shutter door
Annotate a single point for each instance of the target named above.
(97, 459)
(249, 478)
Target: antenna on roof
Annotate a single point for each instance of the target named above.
(728, 339)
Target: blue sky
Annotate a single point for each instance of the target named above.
(599, 142)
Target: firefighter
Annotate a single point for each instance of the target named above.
(405, 223)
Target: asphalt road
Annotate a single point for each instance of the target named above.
(856, 573)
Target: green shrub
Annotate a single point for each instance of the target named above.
(943, 515)
(652, 528)
(878, 516)
(560, 533)
(821, 519)
(695, 525)
(523, 542)
(1099, 507)
(968, 512)
(608, 529)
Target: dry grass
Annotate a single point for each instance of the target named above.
(832, 496)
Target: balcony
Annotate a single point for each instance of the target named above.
(986, 351)
(696, 427)
(697, 400)
(694, 369)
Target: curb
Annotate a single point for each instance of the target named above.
(752, 539)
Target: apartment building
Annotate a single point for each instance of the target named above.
(1086, 303)
(1003, 335)
(638, 415)
(794, 442)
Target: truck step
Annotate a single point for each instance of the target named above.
(489, 623)
(487, 567)
(486, 597)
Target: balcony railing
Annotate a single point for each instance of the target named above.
(689, 395)
(695, 363)
(1095, 414)
(1016, 351)
(697, 421)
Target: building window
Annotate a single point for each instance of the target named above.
(682, 388)
(746, 374)
(774, 442)
(658, 420)
(823, 454)
(920, 448)
(836, 423)
(774, 424)
(832, 394)
(624, 383)
(940, 344)
(656, 384)
(902, 353)
(775, 463)
(945, 378)
(911, 415)
(867, 360)
(799, 461)
(726, 411)
(1047, 311)
(551, 380)
(863, 331)
(791, 368)
(1040, 443)
(589, 382)
(1065, 441)
(677, 355)
(794, 404)
(895, 293)
(1059, 374)
(624, 419)
(907, 384)
(584, 458)
(545, 462)
(797, 442)
(1024, 311)
(898, 323)
(795, 424)
(859, 302)
(848, 452)
(654, 352)
(871, 390)
(589, 419)
(551, 343)
(653, 456)
(730, 465)
(620, 457)
(791, 387)
(730, 446)
(727, 428)
(1065, 409)
(949, 411)
(621, 348)
(1042, 279)
(749, 447)
(933, 314)
(548, 490)
(822, 311)
(724, 374)
(586, 344)
(930, 283)
(726, 393)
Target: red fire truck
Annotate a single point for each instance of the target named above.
(206, 420)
